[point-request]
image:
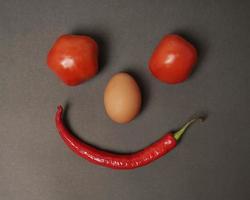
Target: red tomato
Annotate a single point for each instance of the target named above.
(74, 58)
(173, 59)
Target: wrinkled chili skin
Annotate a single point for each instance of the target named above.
(112, 160)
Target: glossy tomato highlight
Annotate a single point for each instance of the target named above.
(173, 59)
(74, 58)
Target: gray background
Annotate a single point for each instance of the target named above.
(211, 162)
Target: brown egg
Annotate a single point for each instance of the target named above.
(122, 98)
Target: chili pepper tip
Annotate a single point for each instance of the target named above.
(60, 108)
(180, 132)
(202, 118)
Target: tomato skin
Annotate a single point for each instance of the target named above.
(74, 58)
(173, 59)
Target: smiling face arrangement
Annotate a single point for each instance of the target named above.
(74, 59)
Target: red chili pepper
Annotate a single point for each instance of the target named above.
(120, 161)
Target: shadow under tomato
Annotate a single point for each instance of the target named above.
(201, 46)
(103, 41)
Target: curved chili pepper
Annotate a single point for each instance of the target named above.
(120, 161)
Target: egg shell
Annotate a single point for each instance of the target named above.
(122, 98)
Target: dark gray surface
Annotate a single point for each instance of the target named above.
(212, 162)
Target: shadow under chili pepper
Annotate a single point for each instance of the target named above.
(200, 45)
(66, 122)
(66, 119)
(103, 41)
(143, 85)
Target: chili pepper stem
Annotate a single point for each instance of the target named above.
(179, 133)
